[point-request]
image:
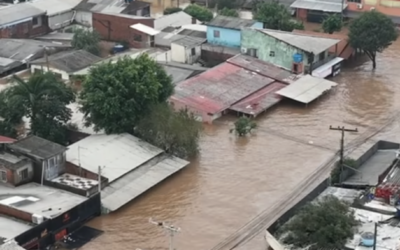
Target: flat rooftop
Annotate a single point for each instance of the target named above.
(10, 228)
(369, 172)
(41, 200)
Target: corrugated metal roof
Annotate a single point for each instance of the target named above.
(145, 29)
(127, 188)
(118, 154)
(231, 22)
(188, 41)
(306, 89)
(54, 7)
(222, 86)
(176, 19)
(18, 12)
(70, 61)
(306, 43)
(260, 101)
(110, 7)
(322, 5)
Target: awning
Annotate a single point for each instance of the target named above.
(306, 89)
(326, 69)
(130, 186)
(325, 6)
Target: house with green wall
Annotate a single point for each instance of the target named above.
(291, 51)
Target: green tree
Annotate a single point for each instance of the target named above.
(86, 40)
(372, 32)
(243, 126)
(228, 4)
(325, 224)
(177, 133)
(275, 16)
(332, 23)
(228, 12)
(10, 117)
(43, 99)
(200, 13)
(172, 10)
(116, 96)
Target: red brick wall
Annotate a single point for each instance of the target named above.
(12, 212)
(25, 30)
(10, 175)
(116, 28)
(302, 14)
(71, 168)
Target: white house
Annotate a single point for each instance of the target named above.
(186, 49)
(60, 13)
(66, 63)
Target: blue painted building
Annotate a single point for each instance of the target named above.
(226, 31)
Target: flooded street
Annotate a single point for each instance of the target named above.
(235, 179)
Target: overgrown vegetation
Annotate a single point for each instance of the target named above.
(172, 10)
(372, 33)
(243, 126)
(43, 99)
(199, 12)
(228, 12)
(275, 16)
(325, 224)
(227, 4)
(176, 132)
(86, 40)
(332, 23)
(336, 171)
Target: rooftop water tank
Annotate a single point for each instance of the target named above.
(297, 58)
(367, 239)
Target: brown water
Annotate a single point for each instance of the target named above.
(235, 179)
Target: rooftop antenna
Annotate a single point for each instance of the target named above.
(171, 229)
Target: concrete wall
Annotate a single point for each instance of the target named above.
(264, 44)
(63, 75)
(183, 54)
(84, 18)
(387, 7)
(61, 20)
(227, 37)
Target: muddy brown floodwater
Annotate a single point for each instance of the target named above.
(235, 179)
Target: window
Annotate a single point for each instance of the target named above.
(24, 174)
(354, 1)
(137, 38)
(322, 56)
(3, 176)
(272, 53)
(193, 51)
(216, 33)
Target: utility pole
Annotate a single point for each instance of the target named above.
(342, 129)
(99, 178)
(375, 234)
(171, 229)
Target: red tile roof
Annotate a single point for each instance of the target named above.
(4, 139)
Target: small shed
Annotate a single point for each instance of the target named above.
(143, 36)
(66, 63)
(187, 49)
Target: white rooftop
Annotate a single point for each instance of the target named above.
(306, 89)
(11, 228)
(145, 29)
(41, 200)
(176, 19)
(116, 154)
(54, 7)
(303, 42)
(11, 245)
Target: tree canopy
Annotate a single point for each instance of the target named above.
(243, 126)
(86, 40)
(275, 16)
(228, 4)
(372, 32)
(175, 132)
(199, 12)
(228, 12)
(10, 117)
(325, 224)
(332, 23)
(116, 96)
(43, 99)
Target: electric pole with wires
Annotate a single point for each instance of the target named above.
(171, 229)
